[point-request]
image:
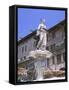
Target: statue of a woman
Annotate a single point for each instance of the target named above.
(41, 42)
(42, 33)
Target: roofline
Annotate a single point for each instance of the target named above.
(34, 32)
(52, 28)
(26, 37)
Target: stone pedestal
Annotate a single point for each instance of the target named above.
(38, 68)
(40, 58)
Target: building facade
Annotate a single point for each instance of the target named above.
(55, 44)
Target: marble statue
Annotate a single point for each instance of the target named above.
(42, 33)
(41, 40)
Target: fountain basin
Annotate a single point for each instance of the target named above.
(40, 54)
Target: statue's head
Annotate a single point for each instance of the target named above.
(42, 24)
(43, 21)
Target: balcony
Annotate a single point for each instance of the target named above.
(62, 46)
(54, 47)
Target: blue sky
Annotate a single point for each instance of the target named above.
(29, 19)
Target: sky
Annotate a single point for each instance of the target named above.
(29, 19)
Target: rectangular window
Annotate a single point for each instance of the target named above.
(24, 57)
(59, 59)
(22, 49)
(63, 56)
(63, 33)
(53, 35)
(21, 59)
(34, 44)
(50, 36)
(59, 36)
(47, 37)
(52, 47)
(47, 48)
(47, 62)
(25, 48)
(53, 60)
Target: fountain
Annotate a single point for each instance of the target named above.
(40, 53)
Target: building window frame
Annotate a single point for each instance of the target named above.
(25, 48)
(48, 62)
(59, 59)
(52, 47)
(53, 59)
(34, 44)
(22, 49)
(64, 56)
